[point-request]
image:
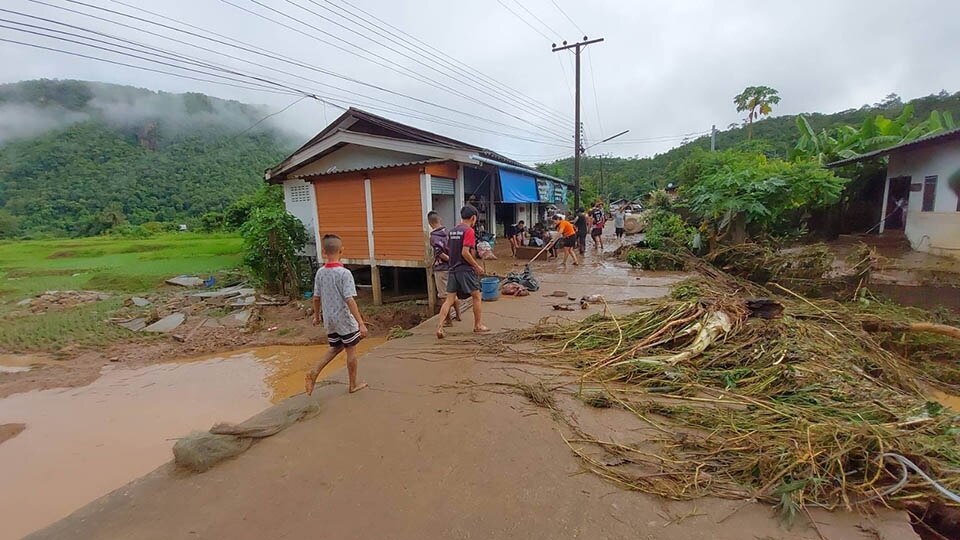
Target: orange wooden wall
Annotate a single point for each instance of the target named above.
(398, 232)
(341, 210)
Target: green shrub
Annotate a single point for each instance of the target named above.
(666, 231)
(652, 259)
(272, 238)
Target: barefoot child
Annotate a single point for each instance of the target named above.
(465, 272)
(441, 263)
(333, 295)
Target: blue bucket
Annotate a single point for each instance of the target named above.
(489, 288)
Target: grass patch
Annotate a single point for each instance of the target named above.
(398, 332)
(111, 264)
(83, 325)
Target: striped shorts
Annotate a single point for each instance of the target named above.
(338, 341)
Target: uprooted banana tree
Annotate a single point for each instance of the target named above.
(782, 399)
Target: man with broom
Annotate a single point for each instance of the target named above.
(464, 278)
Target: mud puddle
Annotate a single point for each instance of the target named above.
(82, 443)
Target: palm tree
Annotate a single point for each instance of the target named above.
(757, 101)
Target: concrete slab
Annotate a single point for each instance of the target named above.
(166, 324)
(140, 302)
(185, 281)
(135, 325)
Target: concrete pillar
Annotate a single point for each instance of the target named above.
(883, 206)
(396, 280)
(458, 189)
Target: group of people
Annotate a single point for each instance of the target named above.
(456, 273)
(571, 236)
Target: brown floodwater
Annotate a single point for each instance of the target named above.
(82, 443)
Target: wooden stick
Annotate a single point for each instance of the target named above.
(546, 247)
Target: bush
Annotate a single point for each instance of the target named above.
(272, 238)
(652, 259)
(666, 231)
(130, 231)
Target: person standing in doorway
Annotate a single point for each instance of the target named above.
(619, 221)
(582, 228)
(597, 221)
(568, 238)
(441, 263)
(464, 278)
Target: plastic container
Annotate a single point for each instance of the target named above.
(489, 288)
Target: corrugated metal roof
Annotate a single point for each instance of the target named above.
(374, 167)
(952, 134)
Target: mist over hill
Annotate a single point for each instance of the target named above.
(75, 155)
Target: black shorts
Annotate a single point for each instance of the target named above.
(569, 241)
(595, 232)
(338, 340)
(463, 283)
(619, 231)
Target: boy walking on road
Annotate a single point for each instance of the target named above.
(568, 238)
(596, 225)
(333, 295)
(441, 262)
(465, 272)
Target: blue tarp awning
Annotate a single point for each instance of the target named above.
(518, 188)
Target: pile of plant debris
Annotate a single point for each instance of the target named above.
(765, 394)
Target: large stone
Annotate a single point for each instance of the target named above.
(236, 320)
(140, 302)
(185, 281)
(166, 324)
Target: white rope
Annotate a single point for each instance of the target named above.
(907, 464)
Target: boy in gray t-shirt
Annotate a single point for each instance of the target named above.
(333, 295)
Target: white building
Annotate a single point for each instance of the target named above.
(921, 195)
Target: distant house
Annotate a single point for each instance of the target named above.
(921, 194)
(372, 181)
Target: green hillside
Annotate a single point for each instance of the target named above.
(776, 136)
(76, 157)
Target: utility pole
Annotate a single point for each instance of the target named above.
(577, 150)
(713, 138)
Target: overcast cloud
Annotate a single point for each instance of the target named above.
(667, 68)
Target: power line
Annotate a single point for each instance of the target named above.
(532, 14)
(387, 63)
(253, 49)
(448, 73)
(261, 81)
(427, 47)
(526, 22)
(575, 25)
(596, 99)
(144, 68)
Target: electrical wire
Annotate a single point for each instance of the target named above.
(435, 55)
(386, 63)
(144, 68)
(262, 82)
(253, 49)
(596, 99)
(575, 25)
(538, 19)
(427, 47)
(448, 73)
(526, 22)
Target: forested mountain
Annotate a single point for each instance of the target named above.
(77, 157)
(776, 136)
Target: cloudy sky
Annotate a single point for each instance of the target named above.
(666, 69)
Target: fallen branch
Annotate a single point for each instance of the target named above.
(932, 328)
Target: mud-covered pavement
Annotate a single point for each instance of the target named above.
(442, 446)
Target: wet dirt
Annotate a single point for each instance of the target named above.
(81, 443)
(947, 400)
(19, 363)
